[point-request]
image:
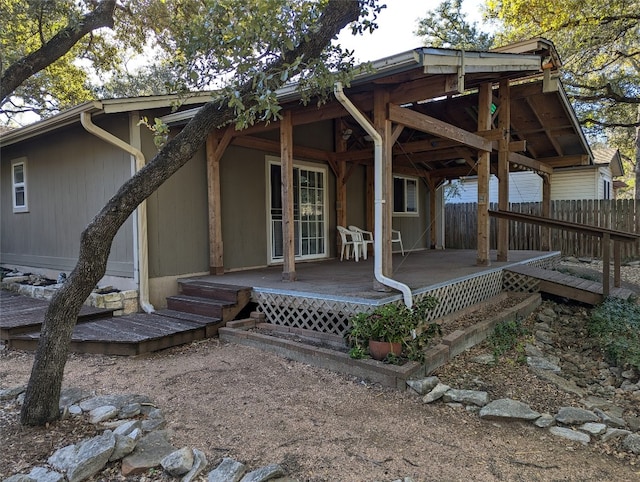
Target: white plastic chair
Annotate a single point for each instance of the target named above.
(349, 239)
(396, 237)
(367, 238)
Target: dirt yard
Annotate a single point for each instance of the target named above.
(259, 408)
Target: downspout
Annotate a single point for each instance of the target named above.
(378, 201)
(143, 256)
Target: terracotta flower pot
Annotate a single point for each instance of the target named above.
(380, 349)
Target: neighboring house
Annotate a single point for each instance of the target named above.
(595, 181)
(224, 211)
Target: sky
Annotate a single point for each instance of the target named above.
(396, 25)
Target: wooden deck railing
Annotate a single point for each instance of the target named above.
(607, 235)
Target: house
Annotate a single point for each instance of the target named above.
(441, 114)
(594, 181)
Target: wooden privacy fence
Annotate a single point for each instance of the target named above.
(461, 226)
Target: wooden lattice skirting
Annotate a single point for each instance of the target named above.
(331, 314)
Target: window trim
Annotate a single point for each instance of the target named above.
(22, 208)
(406, 213)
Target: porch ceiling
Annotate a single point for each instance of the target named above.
(544, 132)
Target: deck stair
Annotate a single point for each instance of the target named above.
(208, 299)
(566, 285)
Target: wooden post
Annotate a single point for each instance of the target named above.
(215, 147)
(545, 232)
(341, 181)
(369, 195)
(605, 264)
(616, 264)
(484, 124)
(288, 222)
(383, 126)
(432, 213)
(504, 125)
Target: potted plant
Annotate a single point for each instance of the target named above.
(391, 329)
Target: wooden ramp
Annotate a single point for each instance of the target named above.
(567, 286)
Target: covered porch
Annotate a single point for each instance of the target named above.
(328, 293)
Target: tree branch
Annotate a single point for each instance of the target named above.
(607, 93)
(55, 48)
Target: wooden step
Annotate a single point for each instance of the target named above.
(216, 291)
(200, 306)
(210, 325)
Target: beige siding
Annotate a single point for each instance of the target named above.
(574, 184)
(415, 230)
(71, 175)
(177, 229)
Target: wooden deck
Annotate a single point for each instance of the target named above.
(568, 286)
(97, 331)
(20, 314)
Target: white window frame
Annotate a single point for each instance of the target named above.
(24, 207)
(416, 196)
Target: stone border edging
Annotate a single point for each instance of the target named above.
(388, 375)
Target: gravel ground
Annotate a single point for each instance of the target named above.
(258, 408)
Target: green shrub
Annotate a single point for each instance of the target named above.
(616, 326)
(394, 323)
(506, 336)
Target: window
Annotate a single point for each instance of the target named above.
(19, 185)
(607, 189)
(405, 195)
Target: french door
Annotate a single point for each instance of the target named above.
(309, 212)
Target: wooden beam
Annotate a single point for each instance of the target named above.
(567, 161)
(484, 124)
(215, 148)
(530, 163)
(396, 133)
(504, 126)
(268, 145)
(288, 222)
(431, 125)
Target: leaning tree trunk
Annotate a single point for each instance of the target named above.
(43, 391)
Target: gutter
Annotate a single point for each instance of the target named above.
(378, 201)
(143, 250)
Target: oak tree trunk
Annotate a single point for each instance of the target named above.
(43, 391)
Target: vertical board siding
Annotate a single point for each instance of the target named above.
(621, 214)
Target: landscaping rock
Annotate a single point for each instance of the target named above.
(82, 460)
(124, 446)
(507, 409)
(569, 434)
(264, 473)
(610, 420)
(11, 393)
(178, 462)
(149, 452)
(199, 463)
(593, 428)
(545, 420)
(473, 397)
(438, 391)
(41, 474)
(100, 414)
(575, 416)
(631, 443)
(614, 433)
(542, 364)
(229, 470)
(423, 385)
